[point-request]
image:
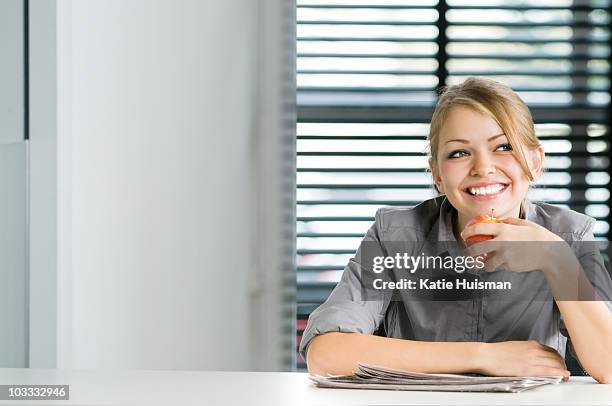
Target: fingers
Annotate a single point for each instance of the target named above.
(481, 228)
(548, 348)
(493, 262)
(514, 220)
(484, 247)
(526, 358)
(486, 251)
(551, 362)
(551, 352)
(519, 222)
(549, 358)
(548, 351)
(549, 371)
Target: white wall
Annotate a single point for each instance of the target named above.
(155, 204)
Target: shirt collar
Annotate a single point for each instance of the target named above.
(445, 221)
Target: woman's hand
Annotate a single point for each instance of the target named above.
(521, 358)
(519, 245)
(511, 229)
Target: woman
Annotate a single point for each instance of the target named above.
(484, 153)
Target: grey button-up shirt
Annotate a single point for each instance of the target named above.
(480, 318)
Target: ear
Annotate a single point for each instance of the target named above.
(536, 161)
(435, 175)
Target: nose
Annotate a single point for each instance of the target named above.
(482, 166)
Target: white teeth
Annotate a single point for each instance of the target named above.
(488, 190)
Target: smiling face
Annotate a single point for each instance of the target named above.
(476, 169)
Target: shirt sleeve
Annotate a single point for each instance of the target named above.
(597, 271)
(348, 309)
(596, 268)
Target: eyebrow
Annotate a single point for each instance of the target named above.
(467, 142)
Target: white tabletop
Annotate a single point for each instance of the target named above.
(270, 388)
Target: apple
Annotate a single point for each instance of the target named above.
(481, 218)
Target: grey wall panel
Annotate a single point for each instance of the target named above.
(42, 179)
(13, 337)
(11, 71)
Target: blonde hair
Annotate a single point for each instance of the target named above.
(494, 99)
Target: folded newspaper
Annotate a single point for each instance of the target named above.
(376, 377)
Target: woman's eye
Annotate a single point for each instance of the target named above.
(507, 147)
(456, 154)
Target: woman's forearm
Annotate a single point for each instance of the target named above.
(590, 327)
(338, 353)
(587, 319)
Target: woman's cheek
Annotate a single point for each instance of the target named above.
(446, 173)
(454, 171)
(511, 164)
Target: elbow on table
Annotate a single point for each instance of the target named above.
(314, 368)
(601, 375)
(602, 371)
(321, 359)
(604, 378)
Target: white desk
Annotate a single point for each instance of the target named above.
(270, 388)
